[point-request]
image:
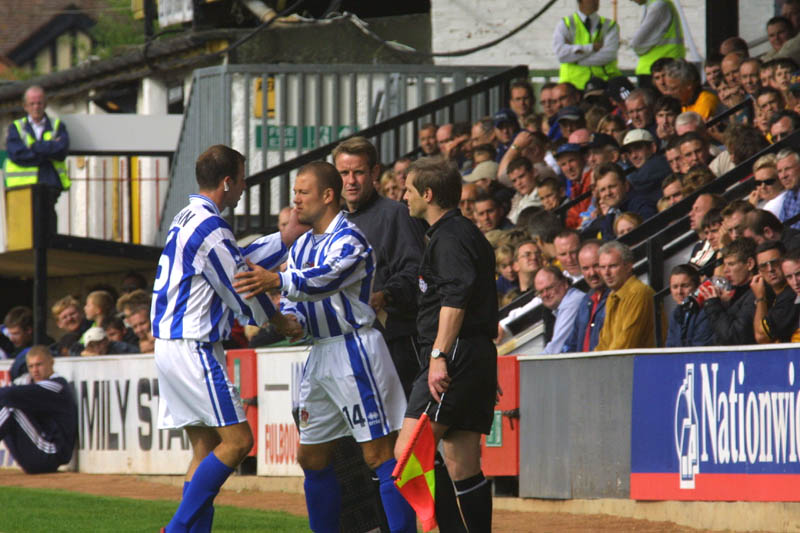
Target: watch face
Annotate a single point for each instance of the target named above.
(436, 353)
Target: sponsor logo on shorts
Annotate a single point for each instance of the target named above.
(303, 418)
(373, 418)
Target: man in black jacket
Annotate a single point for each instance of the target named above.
(38, 416)
(731, 312)
(397, 240)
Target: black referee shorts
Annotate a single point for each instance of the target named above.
(469, 402)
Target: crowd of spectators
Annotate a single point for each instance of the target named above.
(553, 187)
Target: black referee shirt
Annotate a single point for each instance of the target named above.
(458, 271)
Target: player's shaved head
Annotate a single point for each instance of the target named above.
(327, 177)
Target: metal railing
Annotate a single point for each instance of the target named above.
(392, 137)
(274, 113)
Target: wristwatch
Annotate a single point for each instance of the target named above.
(436, 353)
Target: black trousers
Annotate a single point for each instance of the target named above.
(23, 438)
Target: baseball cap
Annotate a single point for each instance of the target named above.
(570, 112)
(637, 136)
(601, 140)
(595, 87)
(619, 88)
(503, 116)
(569, 148)
(483, 170)
(94, 334)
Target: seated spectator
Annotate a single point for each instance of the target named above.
(426, 137)
(19, 326)
(506, 127)
(750, 76)
(779, 31)
(731, 312)
(769, 101)
(713, 71)
(614, 126)
(566, 245)
(776, 315)
(484, 153)
(469, 193)
(601, 150)
(567, 95)
(782, 124)
(571, 161)
(672, 152)
(741, 143)
(762, 226)
(39, 416)
(562, 300)
(651, 167)
(791, 272)
(626, 222)
(99, 306)
(592, 309)
(548, 100)
(630, 313)
(696, 178)
(694, 151)
(520, 171)
(140, 323)
(444, 136)
(69, 318)
(730, 68)
(551, 193)
(389, 187)
(639, 107)
(667, 110)
(671, 190)
(733, 218)
(489, 215)
(521, 98)
(768, 193)
(128, 302)
(482, 175)
(533, 147)
(782, 75)
(659, 75)
(97, 343)
(570, 119)
(527, 262)
(788, 165)
(702, 253)
(714, 233)
(614, 193)
(688, 325)
(682, 81)
(506, 273)
(482, 133)
(117, 331)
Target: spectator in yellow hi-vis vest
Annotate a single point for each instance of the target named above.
(37, 147)
(586, 45)
(660, 34)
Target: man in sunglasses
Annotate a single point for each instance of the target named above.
(775, 314)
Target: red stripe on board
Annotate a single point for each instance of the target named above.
(732, 487)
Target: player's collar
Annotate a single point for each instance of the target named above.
(205, 200)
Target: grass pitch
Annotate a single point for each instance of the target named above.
(39, 510)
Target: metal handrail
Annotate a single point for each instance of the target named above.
(423, 112)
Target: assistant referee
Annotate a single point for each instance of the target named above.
(456, 323)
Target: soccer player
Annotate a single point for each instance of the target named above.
(349, 384)
(456, 323)
(192, 312)
(38, 416)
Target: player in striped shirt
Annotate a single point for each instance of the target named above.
(194, 305)
(349, 384)
(38, 415)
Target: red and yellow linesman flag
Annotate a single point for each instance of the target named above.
(414, 474)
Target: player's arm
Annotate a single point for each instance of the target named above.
(267, 252)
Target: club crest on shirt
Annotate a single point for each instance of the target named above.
(422, 285)
(303, 417)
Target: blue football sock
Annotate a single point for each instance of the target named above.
(206, 518)
(211, 473)
(399, 514)
(323, 500)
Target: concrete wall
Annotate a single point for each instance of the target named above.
(460, 24)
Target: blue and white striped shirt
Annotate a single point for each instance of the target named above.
(328, 282)
(193, 295)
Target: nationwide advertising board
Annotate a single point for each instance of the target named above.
(716, 425)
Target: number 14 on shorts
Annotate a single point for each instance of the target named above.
(357, 418)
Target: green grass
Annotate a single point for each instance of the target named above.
(39, 510)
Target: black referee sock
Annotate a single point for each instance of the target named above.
(475, 496)
(447, 514)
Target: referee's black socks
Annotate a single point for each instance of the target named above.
(475, 496)
(447, 513)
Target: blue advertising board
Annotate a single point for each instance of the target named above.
(716, 425)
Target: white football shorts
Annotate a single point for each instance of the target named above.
(350, 387)
(193, 385)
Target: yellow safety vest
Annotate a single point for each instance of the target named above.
(18, 175)
(576, 74)
(670, 44)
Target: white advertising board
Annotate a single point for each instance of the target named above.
(279, 373)
(118, 433)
